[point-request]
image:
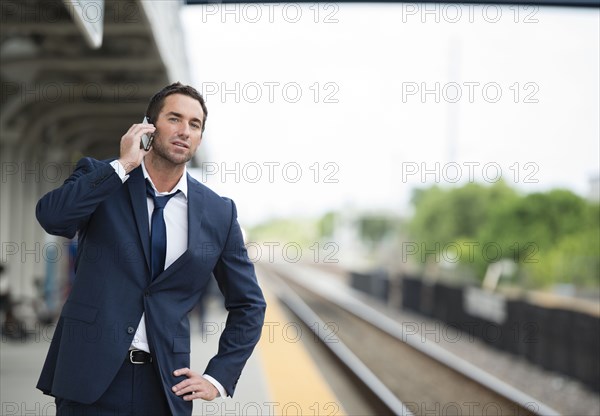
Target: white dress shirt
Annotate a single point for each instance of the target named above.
(176, 221)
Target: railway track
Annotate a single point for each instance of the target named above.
(406, 378)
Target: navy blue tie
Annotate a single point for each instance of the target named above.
(158, 232)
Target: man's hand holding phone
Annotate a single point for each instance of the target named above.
(134, 146)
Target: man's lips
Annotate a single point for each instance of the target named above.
(181, 144)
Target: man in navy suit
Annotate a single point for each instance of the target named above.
(150, 238)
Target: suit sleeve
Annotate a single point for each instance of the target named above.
(246, 306)
(66, 209)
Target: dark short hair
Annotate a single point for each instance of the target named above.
(157, 101)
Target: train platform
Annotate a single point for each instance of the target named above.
(291, 372)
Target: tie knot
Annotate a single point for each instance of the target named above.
(160, 201)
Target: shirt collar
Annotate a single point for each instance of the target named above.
(180, 186)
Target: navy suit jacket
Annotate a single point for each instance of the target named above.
(113, 285)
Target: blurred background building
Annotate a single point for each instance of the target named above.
(74, 76)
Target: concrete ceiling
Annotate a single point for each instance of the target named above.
(62, 96)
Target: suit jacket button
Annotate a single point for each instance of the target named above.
(147, 293)
(130, 330)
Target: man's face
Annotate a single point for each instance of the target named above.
(178, 129)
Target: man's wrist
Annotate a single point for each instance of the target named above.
(218, 386)
(127, 165)
(120, 170)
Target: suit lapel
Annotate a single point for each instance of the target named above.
(137, 192)
(195, 213)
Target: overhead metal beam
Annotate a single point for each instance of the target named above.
(34, 132)
(89, 18)
(568, 3)
(105, 64)
(52, 29)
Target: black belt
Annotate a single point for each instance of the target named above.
(139, 357)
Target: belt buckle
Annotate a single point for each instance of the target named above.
(132, 361)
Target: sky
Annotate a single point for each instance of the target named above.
(349, 107)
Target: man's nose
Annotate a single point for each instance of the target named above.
(184, 130)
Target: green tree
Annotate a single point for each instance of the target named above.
(573, 259)
(444, 216)
(326, 224)
(374, 228)
(553, 236)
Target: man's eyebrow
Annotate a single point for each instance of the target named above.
(173, 113)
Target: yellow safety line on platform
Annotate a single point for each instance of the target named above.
(294, 381)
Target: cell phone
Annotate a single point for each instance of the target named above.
(146, 141)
